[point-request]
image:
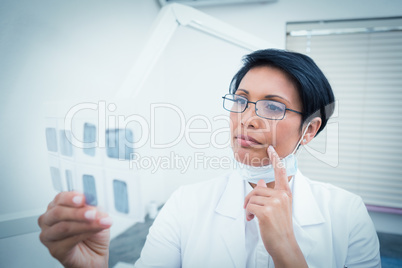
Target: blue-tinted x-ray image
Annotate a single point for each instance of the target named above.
(119, 143)
(51, 139)
(56, 179)
(89, 137)
(120, 196)
(69, 180)
(66, 148)
(89, 190)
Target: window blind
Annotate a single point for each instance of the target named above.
(361, 149)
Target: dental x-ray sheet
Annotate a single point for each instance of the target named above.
(79, 162)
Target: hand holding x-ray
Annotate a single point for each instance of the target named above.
(76, 234)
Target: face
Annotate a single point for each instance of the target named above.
(250, 134)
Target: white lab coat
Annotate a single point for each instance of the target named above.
(203, 225)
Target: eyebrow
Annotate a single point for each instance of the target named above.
(267, 96)
(273, 96)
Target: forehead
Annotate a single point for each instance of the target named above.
(263, 81)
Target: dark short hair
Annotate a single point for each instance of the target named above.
(313, 87)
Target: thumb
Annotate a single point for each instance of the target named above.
(262, 183)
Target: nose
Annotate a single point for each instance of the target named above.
(249, 119)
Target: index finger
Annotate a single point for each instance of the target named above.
(281, 178)
(68, 199)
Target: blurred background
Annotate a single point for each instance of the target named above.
(57, 54)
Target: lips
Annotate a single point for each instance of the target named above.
(246, 141)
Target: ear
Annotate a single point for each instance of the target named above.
(312, 129)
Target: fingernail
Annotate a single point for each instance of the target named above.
(77, 199)
(271, 148)
(90, 214)
(106, 221)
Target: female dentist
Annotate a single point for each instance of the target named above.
(263, 214)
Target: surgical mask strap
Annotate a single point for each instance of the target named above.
(304, 133)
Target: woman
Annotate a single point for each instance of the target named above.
(263, 214)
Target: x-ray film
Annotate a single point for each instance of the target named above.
(56, 178)
(66, 148)
(118, 143)
(90, 190)
(69, 180)
(101, 174)
(89, 137)
(51, 139)
(120, 196)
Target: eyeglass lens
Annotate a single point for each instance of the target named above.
(264, 108)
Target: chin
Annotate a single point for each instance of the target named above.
(246, 156)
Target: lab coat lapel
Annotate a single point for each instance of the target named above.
(306, 213)
(231, 205)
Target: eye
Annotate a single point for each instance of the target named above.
(240, 99)
(274, 107)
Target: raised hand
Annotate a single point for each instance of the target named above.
(273, 208)
(76, 234)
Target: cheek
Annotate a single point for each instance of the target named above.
(287, 135)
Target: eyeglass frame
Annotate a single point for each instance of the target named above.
(255, 107)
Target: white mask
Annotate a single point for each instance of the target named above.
(267, 173)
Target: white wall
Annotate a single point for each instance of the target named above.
(50, 50)
(269, 20)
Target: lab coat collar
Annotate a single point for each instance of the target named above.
(305, 213)
(305, 207)
(231, 201)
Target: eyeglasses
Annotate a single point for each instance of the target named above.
(268, 109)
